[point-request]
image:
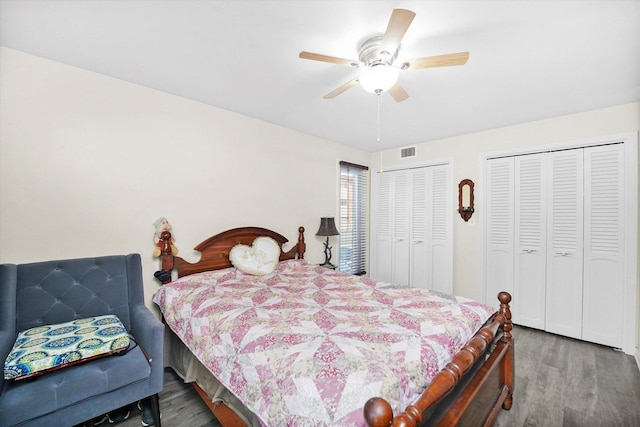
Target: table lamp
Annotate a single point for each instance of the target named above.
(327, 228)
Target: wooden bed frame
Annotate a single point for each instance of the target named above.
(469, 391)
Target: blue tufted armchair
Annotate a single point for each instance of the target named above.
(59, 291)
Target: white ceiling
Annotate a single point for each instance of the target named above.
(529, 60)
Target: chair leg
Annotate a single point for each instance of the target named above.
(155, 408)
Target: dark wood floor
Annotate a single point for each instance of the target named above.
(559, 382)
(180, 406)
(566, 382)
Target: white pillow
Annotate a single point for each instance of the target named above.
(260, 258)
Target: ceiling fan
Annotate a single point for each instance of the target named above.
(376, 60)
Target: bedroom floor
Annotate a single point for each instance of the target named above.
(559, 382)
(565, 382)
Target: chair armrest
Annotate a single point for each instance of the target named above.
(149, 333)
(7, 338)
(8, 290)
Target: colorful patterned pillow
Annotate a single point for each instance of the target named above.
(46, 348)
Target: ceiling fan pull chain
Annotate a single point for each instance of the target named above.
(378, 140)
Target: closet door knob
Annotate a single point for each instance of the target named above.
(529, 251)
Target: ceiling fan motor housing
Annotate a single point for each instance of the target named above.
(371, 55)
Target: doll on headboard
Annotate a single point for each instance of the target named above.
(161, 224)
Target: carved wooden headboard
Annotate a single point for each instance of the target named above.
(215, 250)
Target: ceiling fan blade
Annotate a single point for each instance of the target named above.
(326, 58)
(397, 27)
(447, 60)
(341, 89)
(398, 93)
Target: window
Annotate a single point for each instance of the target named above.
(354, 198)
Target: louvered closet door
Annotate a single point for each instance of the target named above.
(499, 238)
(530, 240)
(603, 245)
(412, 228)
(431, 225)
(392, 227)
(565, 244)
(384, 228)
(421, 276)
(441, 226)
(401, 227)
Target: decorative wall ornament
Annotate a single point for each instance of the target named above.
(465, 199)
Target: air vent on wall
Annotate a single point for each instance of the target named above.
(407, 152)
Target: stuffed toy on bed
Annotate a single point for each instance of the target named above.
(161, 224)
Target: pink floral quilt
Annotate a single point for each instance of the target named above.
(309, 346)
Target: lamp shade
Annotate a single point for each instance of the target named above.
(327, 227)
(378, 78)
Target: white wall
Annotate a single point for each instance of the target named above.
(89, 162)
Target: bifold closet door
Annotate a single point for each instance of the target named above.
(400, 268)
(383, 229)
(530, 240)
(499, 237)
(441, 229)
(392, 227)
(431, 224)
(412, 228)
(565, 244)
(388, 233)
(603, 245)
(555, 229)
(420, 273)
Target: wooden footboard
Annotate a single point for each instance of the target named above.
(480, 401)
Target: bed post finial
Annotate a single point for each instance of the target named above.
(505, 310)
(508, 366)
(378, 412)
(301, 246)
(166, 258)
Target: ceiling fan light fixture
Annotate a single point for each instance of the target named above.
(377, 56)
(378, 78)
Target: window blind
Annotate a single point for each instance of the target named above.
(354, 199)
